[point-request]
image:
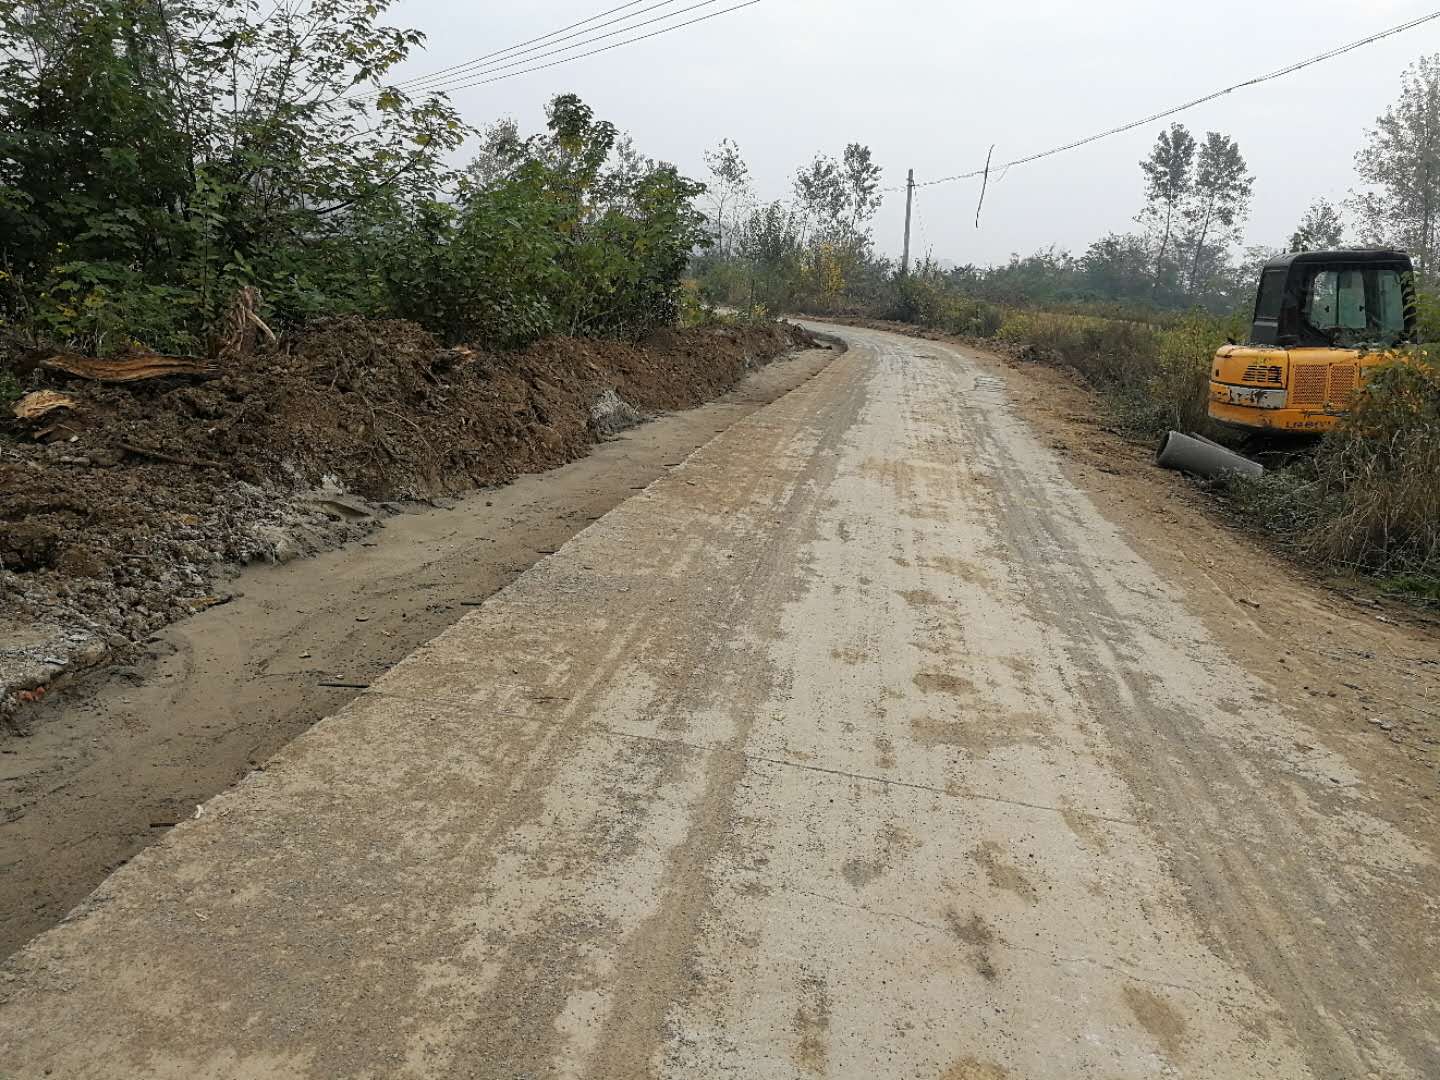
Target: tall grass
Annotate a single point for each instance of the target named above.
(1380, 471)
(1154, 377)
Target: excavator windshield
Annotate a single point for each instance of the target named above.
(1357, 305)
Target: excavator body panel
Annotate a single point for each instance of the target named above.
(1322, 321)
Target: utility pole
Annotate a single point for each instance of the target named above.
(909, 198)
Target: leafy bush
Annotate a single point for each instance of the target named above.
(696, 310)
(102, 307)
(559, 243)
(693, 309)
(154, 158)
(920, 298)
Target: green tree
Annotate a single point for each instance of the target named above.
(728, 190)
(1118, 266)
(155, 156)
(840, 196)
(1168, 177)
(92, 158)
(1400, 164)
(621, 177)
(820, 192)
(1216, 207)
(1321, 228)
(500, 150)
(860, 177)
(578, 234)
(837, 200)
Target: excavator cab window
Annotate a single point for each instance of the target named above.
(1391, 288)
(1353, 305)
(1272, 292)
(1343, 299)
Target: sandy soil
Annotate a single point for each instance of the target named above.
(865, 743)
(113, 762)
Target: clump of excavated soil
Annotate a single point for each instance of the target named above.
(123, 517)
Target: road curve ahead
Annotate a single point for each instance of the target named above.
(860, 746)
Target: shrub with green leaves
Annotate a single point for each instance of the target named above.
(922, 298)
(156, 157)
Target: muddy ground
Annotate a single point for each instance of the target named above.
(130, 509)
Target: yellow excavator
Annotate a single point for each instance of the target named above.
(1323, 319)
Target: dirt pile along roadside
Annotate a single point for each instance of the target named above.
(119, 514)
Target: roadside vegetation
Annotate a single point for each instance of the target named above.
(310, 291)
(1140, 314)
(157, 159)
(1369, 497)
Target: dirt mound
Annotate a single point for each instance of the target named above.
(116, 513)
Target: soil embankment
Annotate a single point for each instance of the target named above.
(119, 514)
(116, 759)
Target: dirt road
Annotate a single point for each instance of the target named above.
(112, 763)
(861, 745)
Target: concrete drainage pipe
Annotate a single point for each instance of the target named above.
(1192, 454)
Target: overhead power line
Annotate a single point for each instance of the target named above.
(1164, 113)
(604, 48)
(456, 71)
(490, 69)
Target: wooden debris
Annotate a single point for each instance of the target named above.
(243, 325)
(39, 403)
(126, 369)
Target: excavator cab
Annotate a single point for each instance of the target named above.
(1322, 320)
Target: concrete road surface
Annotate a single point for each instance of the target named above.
(859, 746)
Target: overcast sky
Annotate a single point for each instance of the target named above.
(929, 85)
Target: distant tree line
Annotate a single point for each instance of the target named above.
(815, 250)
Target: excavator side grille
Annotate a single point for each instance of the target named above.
(1342, 385)
(1308, 384)
(1265, 374)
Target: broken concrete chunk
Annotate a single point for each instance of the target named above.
(611, 414)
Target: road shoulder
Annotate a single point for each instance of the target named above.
(1367, 673)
